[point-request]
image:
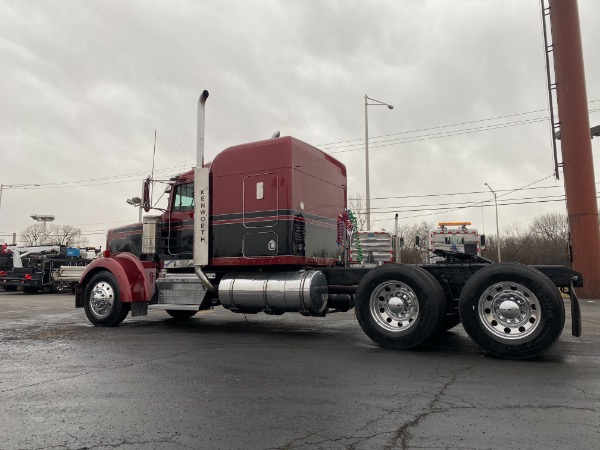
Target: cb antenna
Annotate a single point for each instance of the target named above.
(152, 174)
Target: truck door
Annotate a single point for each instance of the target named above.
(260, 215)
(179, 232)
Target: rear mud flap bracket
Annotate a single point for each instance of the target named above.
(575, 312)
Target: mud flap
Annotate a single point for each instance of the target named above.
(139, 309)
(575, 312)
(78, 296)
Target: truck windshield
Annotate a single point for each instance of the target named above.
(184, 197)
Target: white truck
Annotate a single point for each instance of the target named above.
(454, 237)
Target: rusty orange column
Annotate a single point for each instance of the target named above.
(576, 145)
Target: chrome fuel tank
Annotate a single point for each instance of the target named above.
(274, 292)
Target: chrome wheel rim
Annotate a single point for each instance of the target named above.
(394, 306)
(102, 299)
(510, 311)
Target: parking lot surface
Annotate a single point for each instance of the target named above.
(228, 381)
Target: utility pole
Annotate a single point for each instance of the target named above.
(497, 226)
(576, 145)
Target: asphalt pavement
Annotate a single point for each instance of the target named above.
(227, 381)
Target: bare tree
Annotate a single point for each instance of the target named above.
(516, 244)
(550, 226)
(357, 204)
(409, 253)
(551, 234)
(66, 235)
(543, 242)
(35, 234)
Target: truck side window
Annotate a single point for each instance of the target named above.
(184, 197)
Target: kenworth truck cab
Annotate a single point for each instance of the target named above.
(261, 229)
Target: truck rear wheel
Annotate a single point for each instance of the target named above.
(180, 314)
(10, 288)
(512, 311)
(399, 306)
(101, 301)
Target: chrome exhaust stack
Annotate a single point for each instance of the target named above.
(201, 201)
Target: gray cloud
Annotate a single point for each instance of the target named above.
(85, 84)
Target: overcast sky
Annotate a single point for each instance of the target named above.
(84, 84)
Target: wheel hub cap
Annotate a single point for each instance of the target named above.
(101, 300)
(509, 311)
(394, 306)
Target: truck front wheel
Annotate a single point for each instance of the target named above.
(400, 306)
(512, 311)
(101, 302)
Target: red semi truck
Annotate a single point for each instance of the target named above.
(261, 229)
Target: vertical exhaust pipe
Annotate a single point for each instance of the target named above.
(200, 129)
(201, 201)
(397, 254)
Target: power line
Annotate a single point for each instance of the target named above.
(443, 133)
(456, 193)
(473, 205)
(95, 181)
(450, 125)
(409, 140)
(428, 207)
(445, 210)
(437, 127)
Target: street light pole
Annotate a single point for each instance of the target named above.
(136, 201)
(43, 218)
(368, 188)
(497, 227)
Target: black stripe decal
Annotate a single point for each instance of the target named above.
(273, 212)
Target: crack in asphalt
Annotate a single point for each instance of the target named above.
(120, 444)
(368, 424)
(108, 369)
(290, 445)
(403, 433)
(357, 439)
(171, 440)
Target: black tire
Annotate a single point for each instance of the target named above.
(31, 289)
(400, 306)
(10, 288)
(512, 311)
(57, 288)
(180, 314)
(101, 301)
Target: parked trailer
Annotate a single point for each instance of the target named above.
(255, 231)
(50, 267)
